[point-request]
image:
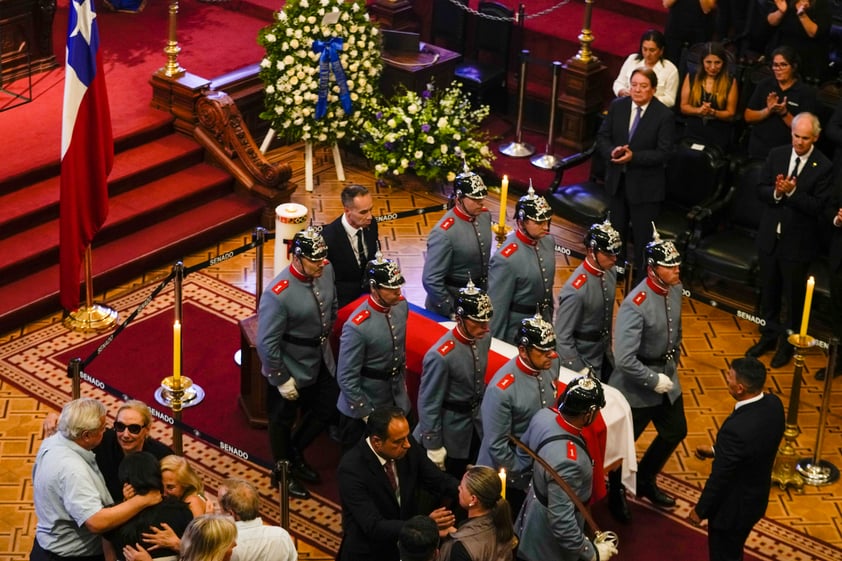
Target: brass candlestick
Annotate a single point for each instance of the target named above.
(172, 69)
(500, 233)
(586, 37)
(784, 473)
(178, 392)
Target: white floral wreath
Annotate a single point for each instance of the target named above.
(291, 70)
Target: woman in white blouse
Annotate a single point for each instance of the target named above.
(650, 55)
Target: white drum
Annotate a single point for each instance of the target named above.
(290, 218)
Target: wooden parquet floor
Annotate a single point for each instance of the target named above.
(711, 338)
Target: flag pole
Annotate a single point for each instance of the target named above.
(91, 317)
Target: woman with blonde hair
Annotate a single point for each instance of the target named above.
(182, 482)
(709, 99)
(210, 537)
(487, 534)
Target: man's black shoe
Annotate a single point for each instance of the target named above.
(296, 490)
(820, 373)
(619, 506)
(763, 346)
(303, 471)
(782, 356)
(655, 495)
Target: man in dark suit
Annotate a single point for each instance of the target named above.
(736, 494)
(378, 483)
(352, 241)
(636, 139)
(795, 186)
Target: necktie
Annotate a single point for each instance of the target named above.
(389, 467)
(796, 168)
(636, 120)
(361, 248)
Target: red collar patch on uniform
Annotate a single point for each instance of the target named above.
(462, 214)
(446, 224)
(580, 281)
(446, 347)
(572, 453)
(509, 250)
(524, 238)
(361, 317)
(506, 381)
(640, 298)
(280, 287)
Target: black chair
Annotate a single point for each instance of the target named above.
(729, 250)
(581, 203)
(484, 71)
(695, 179)
(449, 25)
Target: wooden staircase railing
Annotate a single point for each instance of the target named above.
(215, 121)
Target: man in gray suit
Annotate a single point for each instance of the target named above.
(646, 351)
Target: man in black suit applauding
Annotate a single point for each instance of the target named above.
(636, 139)
(379, 480)
(795, 186)
(736, 494)
(352, 242)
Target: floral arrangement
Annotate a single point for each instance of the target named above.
(433, 134)
(303, 47)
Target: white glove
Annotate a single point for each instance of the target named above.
(605, 549)
(664, 384)
(289, 390)
(438, 456)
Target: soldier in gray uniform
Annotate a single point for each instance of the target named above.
(459, 246)
(646, 351)
(296, 315)
(522, 272)
(453, 383)
(583, 325)
(586, 305)
(371, 370)
(549, 524)
(521, 387)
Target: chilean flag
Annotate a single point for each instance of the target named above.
(87, 147)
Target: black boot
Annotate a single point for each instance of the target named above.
(300, 469)
(617, 503)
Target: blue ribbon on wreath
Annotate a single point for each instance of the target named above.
(329, 60)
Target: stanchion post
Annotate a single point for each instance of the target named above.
(548, 160)
(177, 391)
(816, 471)
(281, 475)
(518, 148)
(783, 472)
(259, 237)
(74, 372)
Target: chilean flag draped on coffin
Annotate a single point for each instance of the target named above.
(87, 147)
